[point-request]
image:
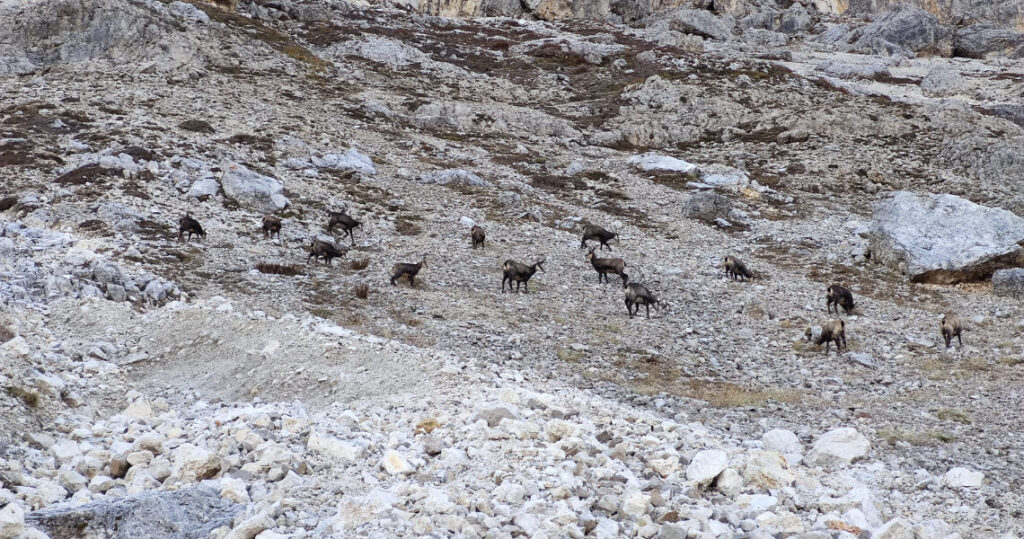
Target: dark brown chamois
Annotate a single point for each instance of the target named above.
(839, 296)
(598, 234)
(604, 266)
(736, 269)
(833, 330)
(478, 236)
(324, 249)
(271, 226)
(345, 221)
(189, 225)
(408, 270)
(950, 327)
(513, 271)
(637, 295)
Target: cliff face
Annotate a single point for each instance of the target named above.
(1002, 12)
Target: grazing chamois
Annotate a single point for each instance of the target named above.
(595, 233)
(513, 271)
(950, 327)
(833, 330)
(189, 225)
(637, 295)
(839, 296)
(324, 249)
(736, 269)
(345, 221)
(271, 226)
(478, 236)
(604, 266)
(408, 270)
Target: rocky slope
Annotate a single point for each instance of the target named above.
(223, 386)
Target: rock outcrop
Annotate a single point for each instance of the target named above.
(944, 238)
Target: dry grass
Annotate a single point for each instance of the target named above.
(361, 290)
(197, 126)
(893, 435)
(6, 334)
(569, 355)
(278, 269)
(359, 264)
(27, 396)
(953, 414)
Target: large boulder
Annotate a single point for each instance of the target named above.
(252, 190)
(987, 40)
(1009, 282)
(701, 22)
(189, 512)
(908, 31)
(838, 447)
(944, 239)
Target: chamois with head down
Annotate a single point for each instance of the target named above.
(188, 225)
(950, 327)
(736, 269)
(595, 233)
(325, 250)
(604, 266)
(271, 226)
(839, 296)
(638, 294)
(345, 221)
(407, 270)
(833, 330)
(478, 236)
(519, 273)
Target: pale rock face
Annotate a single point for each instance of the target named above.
(635, 503)
(783, 441)
(767, 469)
(193, 464)
(12, 521)
(838, 447)
(335, 447)
(730, 482)
(963, 477)
(252, 190)
(395, 464)
(896, 528)
(706, 465)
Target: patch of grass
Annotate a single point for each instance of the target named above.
(27, 396)
(361, 290)
(278, 269)
(953, 414)
(426, 426)
(359, 263)
(892, 435)
(569, 355)
(406, 318)
(197, 126)
(406, 227)
(6, 334)
(91, 173)
(728, 395)
(676, 181)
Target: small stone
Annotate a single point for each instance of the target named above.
(395, 464)
(767, 469)
(783, 441)
(635, 503)
(963, 477)
(729, 482)
(335, 447)
(193, 463)
(896, 528)
(234, 490)
(494, 416)
(12, 521)
(250, 527)
(706, 465)
(838, 447)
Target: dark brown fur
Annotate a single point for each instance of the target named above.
(271, 226)
(833, 330)
(346, 222)
(637, 295)
(189, 225)
(598, 234)
(736, 269)
(839, 296)
(408, 270)
(513, 271)
(604, 266)
(950, 327)
(324, 249)
(478, 236)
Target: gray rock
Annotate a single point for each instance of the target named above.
(252, 190)
(1008, 282)
(455, 176)
(907, 31)
(1008, 111)
(795, 19)
(189, 512)
(942, 81)
(189, 11)
(844, 70)
(863, 359)
(116, 292)
(944, 238)
(986, 41)
(707, 207)
(203, 188)
(700, 22)
(493, 416)
(352, 159)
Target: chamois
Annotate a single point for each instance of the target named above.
(736, 269)
(604, 266)
(839, 296)
(191, 226)
(409, 270)
(595, 233)
(513, 271)
(950, 327)
(637, 295)
(325, 250)
(477, 235)
(347, 223)
(271, 226)
(833, 330)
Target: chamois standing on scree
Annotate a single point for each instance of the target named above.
(595, 233)
(833, 330)
(345, 221)
(736, 269)
(271, 226)
(839, 296)
(950, 327)
(637, 295)
(604, 266)
(477, 235)
(408, 270)
(513, 271)
(324, 249)
(189, 225)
